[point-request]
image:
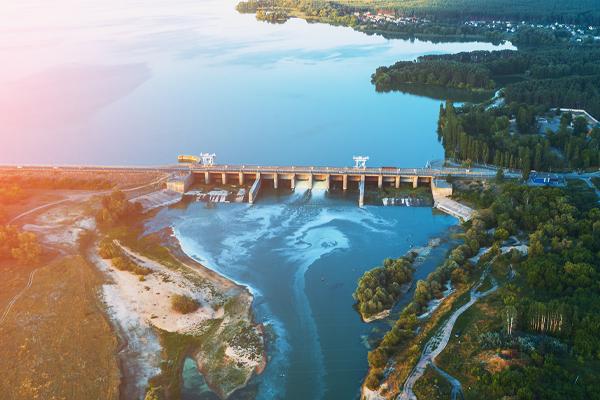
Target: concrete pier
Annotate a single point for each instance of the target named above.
(345, 182)
(253, 193)
(380, 181)
(415, 182)
(442, 191)
(361, 195)
(241, 178)
(310, 180)
(397, 182)
(180, 183)
(275, 181)
(224, 178)
(207, 177)
(293, 182)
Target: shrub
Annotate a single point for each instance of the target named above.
(123, 263)
(184, 304)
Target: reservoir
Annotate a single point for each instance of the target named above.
(128, 82)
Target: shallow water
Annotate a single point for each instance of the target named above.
(301, 256)
(138, 82)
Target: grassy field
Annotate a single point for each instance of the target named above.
(432, 386)
(56, 343)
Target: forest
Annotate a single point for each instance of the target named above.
(555, 294)
(572, 11)
(474, 134)
(566, 76)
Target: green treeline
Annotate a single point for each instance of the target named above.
(329, 12)
(572, 92)
(475, 134)
(565, 76)
(274, 16)
(379, 288)
(451, 74)
(121, 261)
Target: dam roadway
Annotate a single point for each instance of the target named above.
(184, 175)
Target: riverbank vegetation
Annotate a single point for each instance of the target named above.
(401, 344)
(380, 288)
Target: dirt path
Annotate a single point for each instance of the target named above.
(75, 197)
(12, 301)
(455, 383)
(439, 341)
(83, 196)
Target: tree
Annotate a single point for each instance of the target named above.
(501, 234)
(580, 126)
(115, 209)
(500, 175)
(510, 313)
(377, 358)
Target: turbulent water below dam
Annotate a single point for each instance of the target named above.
(301, 255)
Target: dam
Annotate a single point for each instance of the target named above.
(357, 177)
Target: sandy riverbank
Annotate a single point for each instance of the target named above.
(220, 335)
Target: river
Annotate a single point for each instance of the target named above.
(301, 256)
(137, 82)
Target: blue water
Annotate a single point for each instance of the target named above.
(131, 82)
(138, 82)
(301, 257)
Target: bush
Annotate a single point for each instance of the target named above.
(108, 250)
(372, 381)
(154, 393)
(184, 304)
(123, 263)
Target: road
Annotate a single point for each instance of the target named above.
(12, 301)
(439, 341)
(481, 173)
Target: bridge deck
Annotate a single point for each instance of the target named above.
(422, 172)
